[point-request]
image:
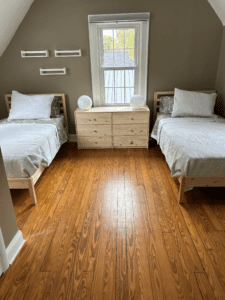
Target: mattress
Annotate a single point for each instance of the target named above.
(28, 144)
(192, 146)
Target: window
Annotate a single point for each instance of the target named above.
(119, 54)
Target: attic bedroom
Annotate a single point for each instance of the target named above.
(112, 142)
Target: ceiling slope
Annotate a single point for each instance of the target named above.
(219, 7)
(12, 13)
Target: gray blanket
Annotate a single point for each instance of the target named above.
(193, 146)
(28, 144)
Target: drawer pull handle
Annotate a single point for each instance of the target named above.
(141, 130)
(95, 131)
(96, 142)
(132, 118)
(132, 131)
(131, 142)
(95, 120)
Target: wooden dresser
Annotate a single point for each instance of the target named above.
(112, 127)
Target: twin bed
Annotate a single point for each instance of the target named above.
(29, 146)
(194, 147)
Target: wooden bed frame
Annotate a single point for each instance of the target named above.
(28, 183)
(188, 181)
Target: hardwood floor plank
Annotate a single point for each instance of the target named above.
(158, 193)
(123, 213)
(176, 221)
(104, 279)
(86, 256)
(206, 261)
(137, 156)
(208, 207)
(131, 165)
(158, 242)
(137, 252)
(204, 285)
(183, 275)
(155, 271)
(221, 237)
(59, 277)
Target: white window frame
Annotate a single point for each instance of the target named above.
(141, 23)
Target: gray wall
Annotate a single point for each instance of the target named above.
(220, 81)
(7, 217)
(185, 41)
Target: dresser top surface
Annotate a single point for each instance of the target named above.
(112, 109)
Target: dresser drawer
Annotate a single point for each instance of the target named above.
(85, 142)
(93, 118)
(94, 130)
(130, 142)
(137, 129)
(130, 117)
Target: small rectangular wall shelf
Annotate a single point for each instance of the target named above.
(67, 53)
(53, 71)
(34, 54)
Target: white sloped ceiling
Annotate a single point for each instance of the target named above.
(219, 7)
(12, 13)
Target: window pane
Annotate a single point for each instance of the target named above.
(109, 95)
(119, 95)
(129, 78)
(129, 38)
(119, 39)
(108, 59)
(129, 92)
(119, 78)
(109, 78)
(108, 39)
(118, 48)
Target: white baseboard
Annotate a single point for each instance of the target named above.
(15, 246)
(72, 138)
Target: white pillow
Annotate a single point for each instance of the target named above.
(30, 107)
(193, 104)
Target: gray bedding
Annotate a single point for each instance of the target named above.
(192, 146)
(28, 144)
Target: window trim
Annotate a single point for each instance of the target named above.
(96, 22)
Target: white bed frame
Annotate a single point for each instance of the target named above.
(29, 183)
(188, 181)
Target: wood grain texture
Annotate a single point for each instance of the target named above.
(108, 226)
(204, 285)
(137, 129)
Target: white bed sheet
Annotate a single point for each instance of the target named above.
(27, 146)
(193, 146)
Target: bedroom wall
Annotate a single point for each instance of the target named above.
(184, 47)
(7, 217)
(220, 80)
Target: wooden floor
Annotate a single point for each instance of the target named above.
(108, 226)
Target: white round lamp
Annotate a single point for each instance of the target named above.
(84, 102)
(137, 101)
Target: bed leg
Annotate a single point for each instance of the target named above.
(181, 198)
(32, 192)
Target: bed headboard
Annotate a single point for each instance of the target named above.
(62, 101)
(157, 95)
